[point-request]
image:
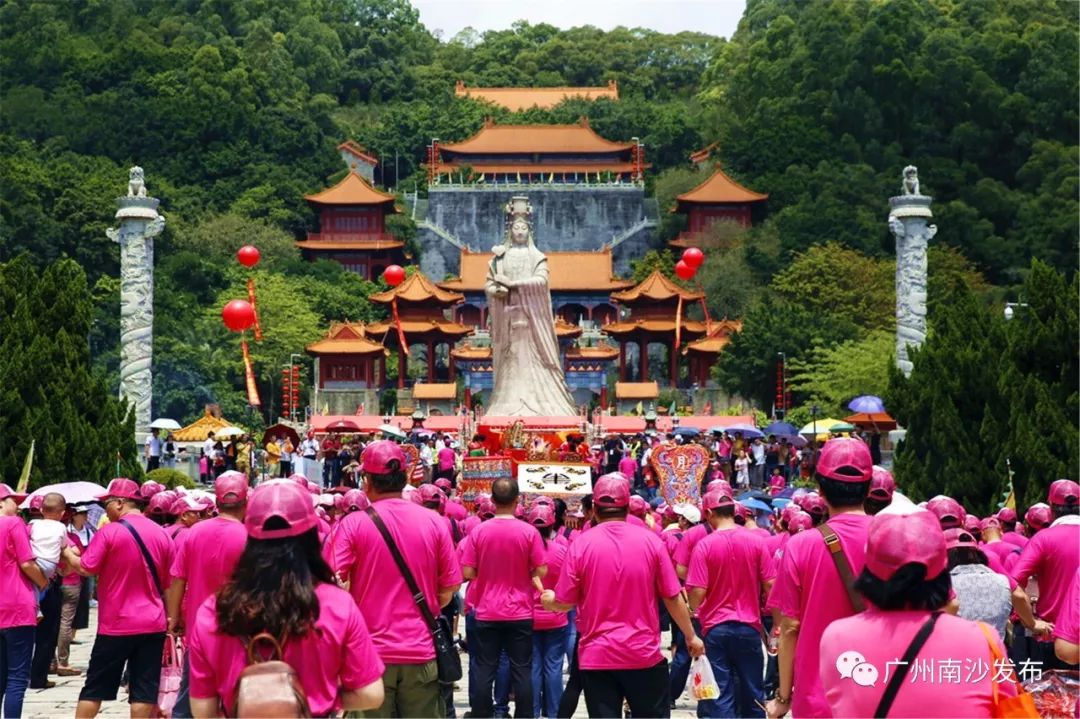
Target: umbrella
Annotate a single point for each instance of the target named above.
(795, 440)
(781, 502)
(842, 427)
(867, 403)
(278, 430)
(879, 421)
(748, 432)
(756, 504)
(74, 492)
(782, 429)
(753, 494)
(818, 427)
(423, 433)
(686, 431)
(164, 423)
(343, 425)
(229, 432)
(392, 431)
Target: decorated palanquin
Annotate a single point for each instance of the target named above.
(680, 469)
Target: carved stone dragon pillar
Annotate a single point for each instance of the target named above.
(908, 216)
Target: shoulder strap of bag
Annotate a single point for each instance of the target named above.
(997, 657)
(406, 573)
(836, 551)
(905, 664)
(149, 559)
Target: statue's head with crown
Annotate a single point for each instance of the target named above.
(518, 228)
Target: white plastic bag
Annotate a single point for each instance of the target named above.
(702, 682)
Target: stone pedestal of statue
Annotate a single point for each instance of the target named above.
(909, 214)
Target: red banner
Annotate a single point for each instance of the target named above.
(400, 331)
(678, 325)
(251, 301)
(249, 377)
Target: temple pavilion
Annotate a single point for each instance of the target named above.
(516, 99)
(718, 198)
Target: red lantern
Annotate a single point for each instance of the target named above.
(394, 275)
(248, 255)
(693, 257)
(238, 315)
(684, 271)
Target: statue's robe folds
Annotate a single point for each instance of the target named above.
(528, 373)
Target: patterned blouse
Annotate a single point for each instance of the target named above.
(983, 594)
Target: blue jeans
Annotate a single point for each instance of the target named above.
(571, 634)
(182, 710)
(549, 647)
(735, 653)
(16, 651)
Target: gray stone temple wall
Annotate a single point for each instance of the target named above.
(567, 218)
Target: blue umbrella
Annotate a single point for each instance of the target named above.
(686, 431)
(782, 429)
(867, 403)
(781, 502)
(748, 432)
(756, 504)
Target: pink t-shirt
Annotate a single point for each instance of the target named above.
(808, 588)
(554, 557)
(1052, 556)
(732, 566)
(637, 521)
(130, 603)
(1068, 621)
(1005, 553)
(456, 511)
(504, 552)
(72, 579)
(447, 458)
(206, 559)
(615, 574)
(337, 654)
(671, 539)
(628, 467)
(775, 543)
(951, 677)
(685, 549)
(18, 599)
(1015, 538)
(471, 522)
(361, 556)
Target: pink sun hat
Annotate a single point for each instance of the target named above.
(287, 501)
(611, 491)
(894, 540)
(230, 488)
(845, 459)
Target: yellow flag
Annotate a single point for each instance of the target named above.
(640, 409)
(24, 478)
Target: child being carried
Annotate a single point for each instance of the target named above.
(48, 537)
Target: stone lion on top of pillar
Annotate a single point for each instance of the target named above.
(136, 183)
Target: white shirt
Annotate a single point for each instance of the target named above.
(309, 447)
(154, 444)
(758, 450)
(427, 455)
(47, 538)
(208, 447)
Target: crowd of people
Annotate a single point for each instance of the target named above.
(850, 601)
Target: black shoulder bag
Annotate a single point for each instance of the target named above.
(897, 679)
(446, 655)
(149, 559)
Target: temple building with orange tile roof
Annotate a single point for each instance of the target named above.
(516, 99)
(350, 367)
(719, 198)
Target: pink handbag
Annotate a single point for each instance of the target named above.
(172, 667)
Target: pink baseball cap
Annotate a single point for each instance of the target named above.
(162, 503)
(960, 538)
(519, 511)
(1064, 491)
(37, 502)
(743, 512)
(715, 499)
(230, 488)
(186, 503)
(299, 479)
(1006, 515)
(990, 522)
(377, 456)
(485, 508)
(430, 494)
(638, 506)
(541, 515)
(799, 522)
(845, 459)
(356, 501)
(790, 510)
(719, 484)
(813, 504)
(611, 490)
(1038, 516)
(882, 484)
(895, 540)
(120, 488)
(149, 489)
(444, 484)
(7, 492)
(972, 523)
(947, 510)
(544, 499)
(286, 501)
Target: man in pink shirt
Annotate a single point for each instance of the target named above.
(131, 556)
(204, 561)
(808, 593)
(447, 462)
(1067, 629)
(505, 560)
(1009, 531)
(1052, 556)
(614, 575)
(728, 573)
(20, 578)
(362, 558)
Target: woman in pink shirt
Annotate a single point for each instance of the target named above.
(933, 664)
(283, 587)
(550, 629)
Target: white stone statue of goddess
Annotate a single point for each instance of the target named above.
(529, 379)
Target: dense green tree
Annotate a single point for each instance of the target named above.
(832, 376)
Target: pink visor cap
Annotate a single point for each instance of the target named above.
(162, 503)
(121, 488)
(845, 459)
(1006, 515)
(230, 488)
(283, 500)
(612, 491)
(7, 492)
(894, 540)
(430, 494)
(541, 515)
(485, 508)
(716, 499)
(882, 484)
(1063, 492)
(377, 456)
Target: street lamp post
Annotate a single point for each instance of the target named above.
(783, 385)
(1011, 307)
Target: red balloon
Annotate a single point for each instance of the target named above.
(693, 257)
(238, 315)
(394, 275)
(248, 255)
(684, 271)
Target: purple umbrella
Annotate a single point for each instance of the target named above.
(867, 403)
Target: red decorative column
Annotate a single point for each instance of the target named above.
(622, 360)
(603, 397)
(402, 367)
